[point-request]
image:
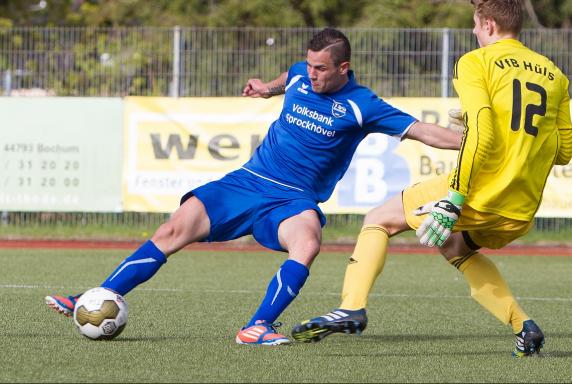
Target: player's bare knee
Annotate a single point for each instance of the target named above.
(372, 218)
(165, 232)
(389, 215)
(310, 247)
(454, 246)
(305, 250)
(447, 253)
(389, 221)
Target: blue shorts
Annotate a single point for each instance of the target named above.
(242, 204)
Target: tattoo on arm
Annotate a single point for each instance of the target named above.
(276, 90)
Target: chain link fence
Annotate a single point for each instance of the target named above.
(217, 62)
(202, 62)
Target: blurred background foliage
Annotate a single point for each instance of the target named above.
(266, 13)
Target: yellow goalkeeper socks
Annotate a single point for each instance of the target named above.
(365, 265)
(489, 289)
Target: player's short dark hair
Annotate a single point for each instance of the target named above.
(507, 14)
(334, 41)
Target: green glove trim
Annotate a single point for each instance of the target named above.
(455, 197)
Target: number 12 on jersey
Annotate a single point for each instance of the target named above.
(530, 110)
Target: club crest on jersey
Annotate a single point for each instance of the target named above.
(338, 109)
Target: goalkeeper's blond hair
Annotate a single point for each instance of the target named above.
(507, 14)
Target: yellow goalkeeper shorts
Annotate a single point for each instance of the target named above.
(485, 229)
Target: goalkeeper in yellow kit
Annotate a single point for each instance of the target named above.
(515, 109)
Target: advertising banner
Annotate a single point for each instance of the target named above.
(175, 145)
(60, 154)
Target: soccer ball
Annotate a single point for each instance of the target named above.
(100, 314)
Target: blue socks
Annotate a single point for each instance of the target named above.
(282, 289)
(136, 269)
(146, 261)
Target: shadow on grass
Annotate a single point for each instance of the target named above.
(119, 339)
(503, 353)
(131, 339)
(557, 354)
(420, 338)
(339, 340)
(489, 353)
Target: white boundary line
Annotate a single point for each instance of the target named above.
(246, 291)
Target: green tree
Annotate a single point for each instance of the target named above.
(550, 13)
(266, 13)
(417, 14)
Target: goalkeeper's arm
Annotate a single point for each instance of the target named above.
(564, 127)
(565, 150)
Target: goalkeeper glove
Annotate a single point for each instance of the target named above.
(456, 122)
(443, 216)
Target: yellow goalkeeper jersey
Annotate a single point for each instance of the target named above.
(516, 108)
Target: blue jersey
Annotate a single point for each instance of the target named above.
(310, 146)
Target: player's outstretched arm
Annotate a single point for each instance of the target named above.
(434, 135)
(257, 88)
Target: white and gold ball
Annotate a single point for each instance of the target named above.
(100, 314)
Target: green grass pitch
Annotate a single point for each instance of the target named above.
(423, 325)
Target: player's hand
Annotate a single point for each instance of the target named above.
(256, 88)
(456, 122)
(441, 219)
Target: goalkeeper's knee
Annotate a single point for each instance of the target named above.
(455, 246)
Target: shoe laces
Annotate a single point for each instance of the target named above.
(74, 298)
(270, 325)
(520, 342)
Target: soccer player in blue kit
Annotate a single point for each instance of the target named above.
(275, 195)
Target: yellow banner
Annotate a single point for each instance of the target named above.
(175, 145)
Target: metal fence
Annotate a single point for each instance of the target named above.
(217, 62)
